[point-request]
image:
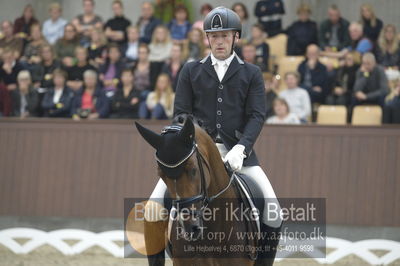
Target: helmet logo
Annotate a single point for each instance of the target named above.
(216, 22)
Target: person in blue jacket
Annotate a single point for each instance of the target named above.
(302, 32)
(269, 13)
(314, 75)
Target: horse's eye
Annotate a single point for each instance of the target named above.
(193, 172)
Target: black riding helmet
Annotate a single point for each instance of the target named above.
(222, 19)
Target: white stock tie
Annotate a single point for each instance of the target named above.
(221, 69)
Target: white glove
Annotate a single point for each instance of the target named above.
(235, 157)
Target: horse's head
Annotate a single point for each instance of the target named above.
(183, 166)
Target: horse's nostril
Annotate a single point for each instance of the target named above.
(195, 228)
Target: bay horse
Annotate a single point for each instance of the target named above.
(196, 178)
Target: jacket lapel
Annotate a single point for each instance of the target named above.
(209, 68)
(234, 66)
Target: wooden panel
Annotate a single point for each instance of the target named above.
(86, 169)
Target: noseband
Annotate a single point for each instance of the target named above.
(203, 196)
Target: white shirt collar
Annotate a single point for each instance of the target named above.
(227, 61)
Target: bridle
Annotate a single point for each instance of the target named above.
(203, 197)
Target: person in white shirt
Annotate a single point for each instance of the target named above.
(131, 48)
(282, 113)
(161, 44)
(297, 98)
(53, 28)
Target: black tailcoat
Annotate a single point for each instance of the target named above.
(234, 108)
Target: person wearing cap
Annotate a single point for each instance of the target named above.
(227, 95)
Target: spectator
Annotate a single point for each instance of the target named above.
(31, 58)
(164, 9)
(193, 47)
(31, 53)
(243, 14)
(97, 48)
(388, 51)
(75, 73)
(159, 103)
(271, 85)
(391, 110)
(358, 43)
(131, 48)
(371, 84)
(161, 44)
(48, 64)
(270, 13)
(174, 65)
(9, 69)
(65, 47)
(314, 75)
(249, 54)
(345, 79)
(302, 32)
(57, 101)
(115, 28)
(25, 99)
(85, 22)
(111, 70)
(297, 98)
(262, 48)
(179, 26)
(204, 10)
(334, 31)
(9, 41)
(282, 113)
(372, 25)
(53, 28)
(125, 103)
(147, 23)
(22, 25)
(90, 102)
(145, 72)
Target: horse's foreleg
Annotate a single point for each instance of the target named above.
(270, 244)
(155, 239)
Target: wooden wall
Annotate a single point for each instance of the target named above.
(86, 169)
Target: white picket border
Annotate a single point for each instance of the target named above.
(86, 239)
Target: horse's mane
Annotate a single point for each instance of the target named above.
(180, 120)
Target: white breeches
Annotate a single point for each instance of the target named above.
(254, 172)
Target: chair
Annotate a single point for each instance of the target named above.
(288, 64)
(332, 115)
(367, 115)
(277, 47)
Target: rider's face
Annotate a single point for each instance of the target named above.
(221, 43)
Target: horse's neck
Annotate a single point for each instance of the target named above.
(219, 177)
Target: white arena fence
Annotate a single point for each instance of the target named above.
(107, 241)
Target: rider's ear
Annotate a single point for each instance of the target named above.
(152, 138)
(187, 132)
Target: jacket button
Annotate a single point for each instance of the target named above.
(218, 125)
(221, 86)
(219, 112)
(220, 100)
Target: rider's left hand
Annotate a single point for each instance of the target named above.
(235, 157)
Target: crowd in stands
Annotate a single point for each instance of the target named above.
(125, 67)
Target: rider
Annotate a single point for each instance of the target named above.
(227, 94)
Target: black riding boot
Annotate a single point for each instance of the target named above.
(269, 245)
(157, 259)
